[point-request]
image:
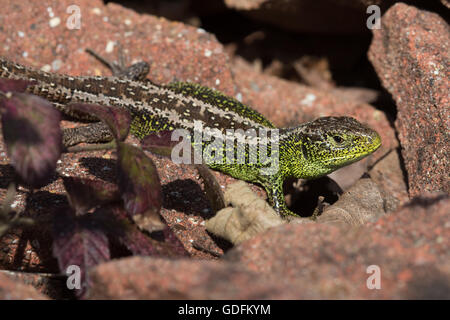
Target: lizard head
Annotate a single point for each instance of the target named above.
(329, 143)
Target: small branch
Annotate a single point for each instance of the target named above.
(6, 221)
(92, 147)
(9, 198)
(198, 246)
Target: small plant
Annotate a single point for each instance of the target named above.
(98, 211)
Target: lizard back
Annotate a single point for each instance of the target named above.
(153, 107)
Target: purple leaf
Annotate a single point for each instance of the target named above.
(32, 135)
(140, 187)
(138, 242)
(15, 85)
(171, 239)
(79, 241)
(85, 194)
(117, 119)
(159, 143)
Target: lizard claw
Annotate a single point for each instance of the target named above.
(137, 71)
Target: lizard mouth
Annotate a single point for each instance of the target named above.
(372, 144)
(375, 142)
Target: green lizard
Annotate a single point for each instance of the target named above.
(308, 151)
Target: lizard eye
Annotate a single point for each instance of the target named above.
(337, 139)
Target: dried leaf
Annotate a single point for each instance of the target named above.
(117, 119)
(140, 187)
(249, 216)
(362, 203)
(32, 135)
(213, 190)
(79, 241)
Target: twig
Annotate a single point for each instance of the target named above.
(92, 147)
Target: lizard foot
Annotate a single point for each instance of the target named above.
(137, 71)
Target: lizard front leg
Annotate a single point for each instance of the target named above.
(92, 133)
(274, 188)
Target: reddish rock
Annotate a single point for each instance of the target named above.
(175, 51)
(179, 52)
(328, 262)
(16, 290)
(410, 54)
(147, 278)
(310, 16)
(313, 261)
(320, 16)
(50, 285)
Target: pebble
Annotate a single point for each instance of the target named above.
(54, 22)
